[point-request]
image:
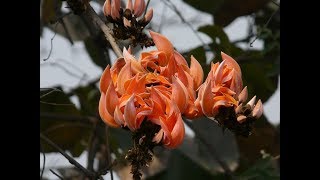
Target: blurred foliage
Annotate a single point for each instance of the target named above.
(72, 128)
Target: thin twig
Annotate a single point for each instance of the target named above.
(108, 151)
(64, 69)
(264, 26)
(68, 117)
(145, 11)
(105, 29)
(56, 174)
(56, 104)
(212, 149)
(53, 90)
(70, 159)
(44, 161)
(51, 41)
(275, 3)
(175, 9)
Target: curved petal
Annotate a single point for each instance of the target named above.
(149, 15)
(118, 116)
(105, 79)
(231, 62)
(139, 7)
(115, 8)
(196, 72)
(258, 110)
(111, 98)
(179, 94)
(207, 100)
(180, 59)
(243, 96)
(104, 114)
(124, 75)
(130, 114)
(162, 43)
(129, 5)
(107, 8)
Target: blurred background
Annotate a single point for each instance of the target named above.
(73, 56)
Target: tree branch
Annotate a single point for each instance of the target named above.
(212, 149)
(70, 159)
(56, 174)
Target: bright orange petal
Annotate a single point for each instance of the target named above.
(180, 59)
(231, 62)
(207, 100)
(196, 72)
(162, 43)
(105, 79)
(105, 116)
(118, 116)
(124, 75)
(179, 94)
(130, 114)
(115, 7)
(111, 98)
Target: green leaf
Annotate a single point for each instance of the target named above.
(223, 142)
(67, 133)
(220, 40)
(263, 169)
(181, 166)
(50, 10)
(210, 8)
(98, 53)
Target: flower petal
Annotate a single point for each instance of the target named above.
(231, 62)
(111, 98)
(139, 7)
(196, 72)
(243, 96)
(130, 114)
(129, 5)
(104, 114)
(162, 43)
(107, 8)
(105, 79)
(124, 75)
(179, 94)
(149, 15)
(258, 110)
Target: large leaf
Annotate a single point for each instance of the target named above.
(50, 10)
(181, 166)
(225, 11)
(264, 168)
(97, 51)
(224, 144)
(264, 137)
(61, 123)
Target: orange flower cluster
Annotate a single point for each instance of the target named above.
(158, 87)
(223, 88)
(161, 87)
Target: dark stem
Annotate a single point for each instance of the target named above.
(92, 148)
(44, 161)
(70, 159)
(212, 149)
(56, 174)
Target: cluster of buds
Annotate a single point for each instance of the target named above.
(159, 87)
(129, 22)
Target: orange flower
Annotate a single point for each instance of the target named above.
(172, 65)
(158, 87)
(223, 88)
